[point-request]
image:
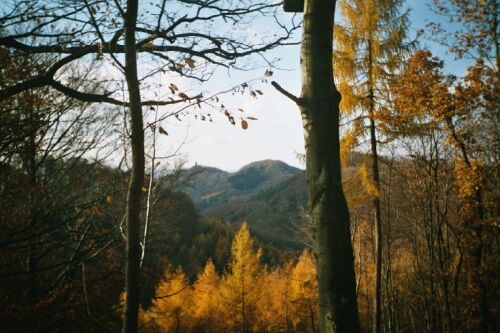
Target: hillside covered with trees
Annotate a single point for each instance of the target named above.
(389, 224)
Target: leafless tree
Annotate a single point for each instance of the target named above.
(187, 38)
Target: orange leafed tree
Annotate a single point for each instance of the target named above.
(466, 111)
(304, 294)
(172, 310)
(207, 309)
(241, 286)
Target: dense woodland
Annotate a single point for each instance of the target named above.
(100, 233)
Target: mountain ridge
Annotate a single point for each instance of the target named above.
(267, 194)
(212, 187)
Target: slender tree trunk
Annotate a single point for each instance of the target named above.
(31, 171)
(484, 306)
(377, 230)
(243, 315)
(476, 224)
(133, 247)
(313, 324)
(319, 105)
(377, 311)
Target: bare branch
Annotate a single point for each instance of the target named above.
(297, 100)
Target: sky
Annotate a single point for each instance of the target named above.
(278, 133)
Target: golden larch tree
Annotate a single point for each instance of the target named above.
(241, 287)
(206, 299)
(274, 307)
(304, 294)
(172, 309)
(369, 49)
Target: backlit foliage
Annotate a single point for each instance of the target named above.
(370, 47)
(246, 298)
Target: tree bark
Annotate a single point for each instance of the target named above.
(377, 311)
(319, 106)
(133, 248)
(33, 248)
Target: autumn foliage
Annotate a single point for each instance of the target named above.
(246, 297)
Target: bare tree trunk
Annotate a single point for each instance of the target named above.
(377, 311)
(377, 230)
(319, 106)
(31, 170)
(133, 251)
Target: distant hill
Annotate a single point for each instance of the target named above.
(213, 187)
(268, 194)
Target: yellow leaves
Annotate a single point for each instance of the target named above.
(358, 183)
(109, 199)
(241, 286)
(216, 303)
(304, 288)
(205, 292)
(304, 283)
(348, 141)
(172, 302)
(469, 178)
(242, 250)
(349, 99)
(368, 184)
(144, 189)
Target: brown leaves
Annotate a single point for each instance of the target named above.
(470, 178)
(162, 131)
(190, 62)
(244, 124)
(256, 92)
(183, 96)
(173, 88)
(229, 117)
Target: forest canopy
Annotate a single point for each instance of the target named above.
(387, 221)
